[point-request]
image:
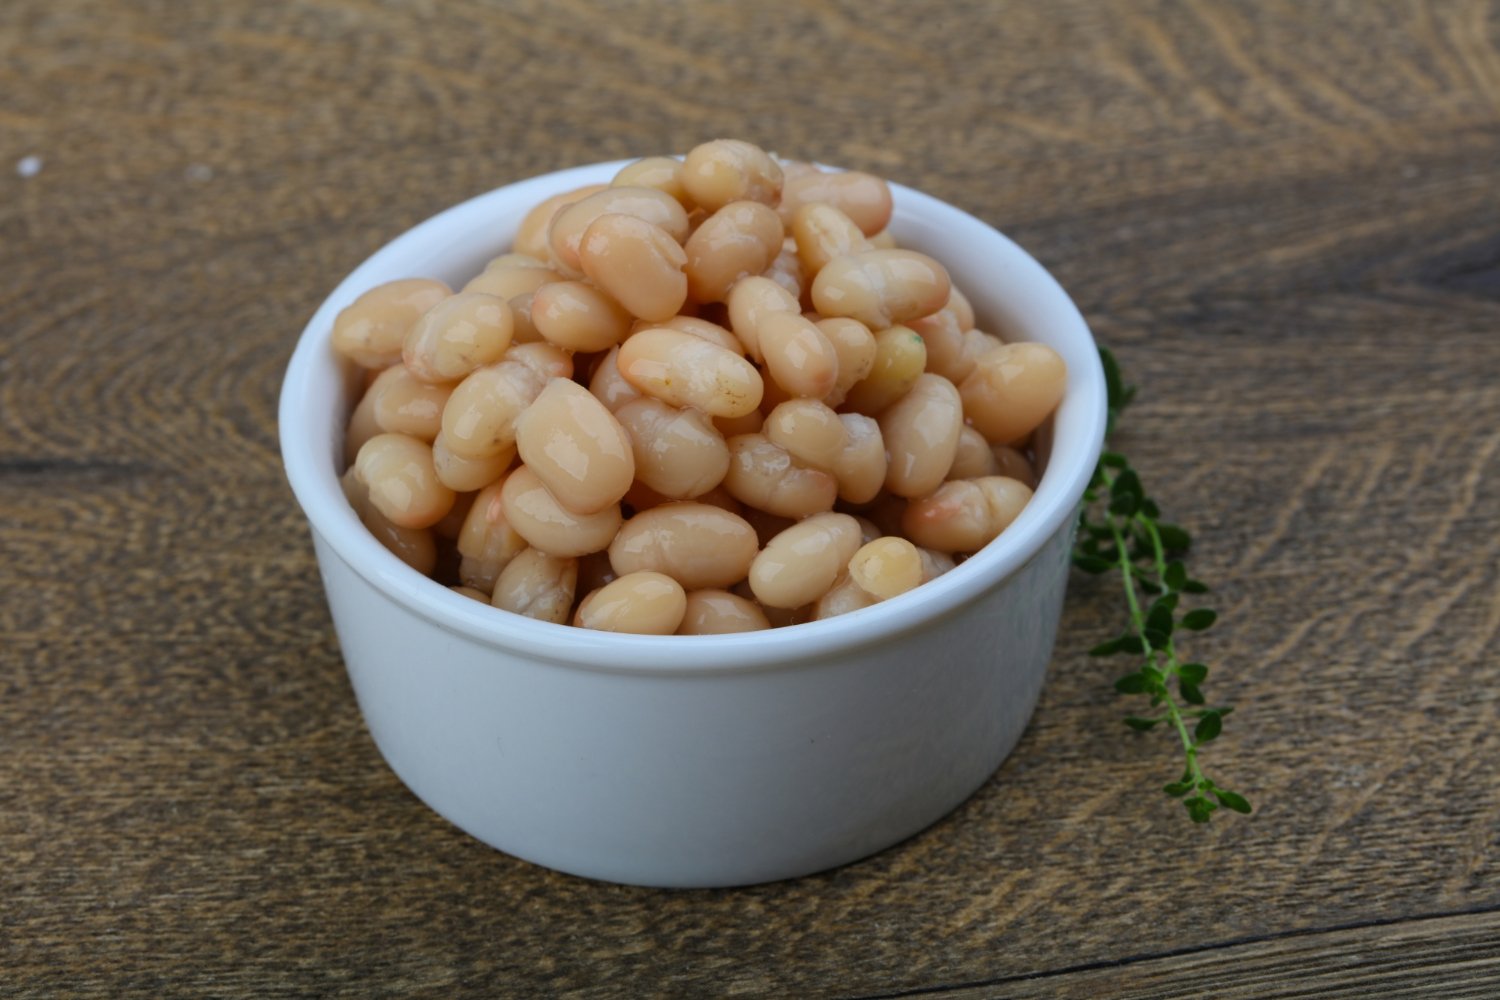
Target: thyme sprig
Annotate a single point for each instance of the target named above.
(1121, 528)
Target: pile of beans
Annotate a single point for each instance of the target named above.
(711, 396)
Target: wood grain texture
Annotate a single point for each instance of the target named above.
(1284, 216)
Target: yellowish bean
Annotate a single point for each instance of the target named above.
(678, 453)
(397, 470)
(696, 544)
(809, 431)
(750, 301)
(531, 238)
(404, 404)
(1013, 463)
(703, 329)
(458, 335)
(862, 463)
(887, 567)
(653, 206)
(576, 316)
(538, 586)
(370, 329)
(864, 198)
(726, 170)
(881, 287)
(763, 475)
(843, 597)
(487, 542)
(479, 419)
(823, 233)
(1013, 389)
(683, 370)
(661, 172)
(467, 474)
(644, 603)
(964, 515)
(798, 355)
(718, 612)
(854, 345)
(900, 357)
(921, 436)
(973, 457)
(546, 524)
(800, 564)
(637, 264)
(739, 240)
(573, 444)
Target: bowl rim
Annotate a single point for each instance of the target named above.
(1079, 435)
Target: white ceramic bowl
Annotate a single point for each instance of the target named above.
(698, 760)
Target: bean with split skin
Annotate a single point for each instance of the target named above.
(538, 586)
(881, 288)
(464, 475)
(645, 603)
(764, 476)
(823, 233)
(862, 464)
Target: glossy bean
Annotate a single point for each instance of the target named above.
(798, 356)
(371, 329)
(414, 546)
(644, 603)
(921, 432)
(854, 345)
(546, 524)
(809, 431)
(964, 515)
(577, 316)
(881, 288)
(511, 280)
(864, 198)
(799, 565)
(573, 444)
(683, 370)
(637, 264)
(397, 471)
(405, 404)
(679, 453)
(696, 544)
(664, 173)
(721, 171)
(973, 457)
(861, 465)
(656, 207)
(718, 612)
(823, 233)
(763, 475)
(458, 335)
(900, 357)
(486, 542)
(538, 586)
(886, 567)
(750, 301)
(608, 385)
(467, 474)
(704, 330)
(1013, 389)
(531, 237)
(479, 419)
(739, 240)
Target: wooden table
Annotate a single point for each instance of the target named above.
(1285, 217)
